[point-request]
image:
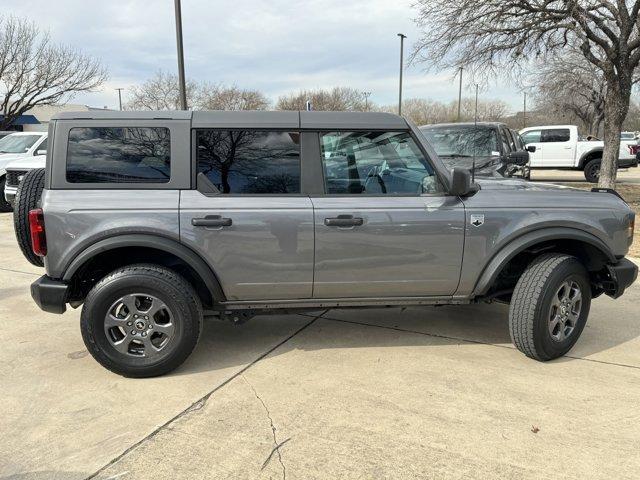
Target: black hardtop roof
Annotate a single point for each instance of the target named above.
(253, 119)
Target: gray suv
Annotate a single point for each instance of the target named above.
(152, 220)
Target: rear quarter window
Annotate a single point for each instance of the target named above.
(118, 155)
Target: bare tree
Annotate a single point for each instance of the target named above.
(568, 87)
(424, 111)
(489, 34)
(161, 92)
(336, 99)
(34, 71)
(218, 97)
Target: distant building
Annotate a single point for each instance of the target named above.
(37, 119)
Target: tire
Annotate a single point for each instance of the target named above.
(533, 306)
(4, 205)
(592, 170)
(175, 329)
(27, 198)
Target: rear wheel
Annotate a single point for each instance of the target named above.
(4, 205)
(27, 198)
(141, 321)
(549, 306)
(592, 170)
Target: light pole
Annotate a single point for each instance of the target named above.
(524, 111)
(120, 97)
(476, 114)
(402, 37)
(366, 96)
(183, 88)
(460, 94)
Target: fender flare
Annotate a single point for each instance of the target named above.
(168, 245)
(519, 244)
(582, 160)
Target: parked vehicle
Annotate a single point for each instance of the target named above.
(151, 223)
(560, 147)
(488, 148)
(17, 147)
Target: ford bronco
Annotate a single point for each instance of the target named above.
(152, 220)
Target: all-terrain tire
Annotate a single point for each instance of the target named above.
(4, 205)
(592, 170)
(173, 292)
(27, 198)
(531, 307)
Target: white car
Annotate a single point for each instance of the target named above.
(560, 147)
(19, 148)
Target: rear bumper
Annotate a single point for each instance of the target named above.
(622, 274)
(628, 162)
(49, 294)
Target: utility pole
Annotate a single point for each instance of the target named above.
(366, 96)
(402, 37)
(460, 94)
(476, 114)
(120, 97)
(524, 111)
(183, 88)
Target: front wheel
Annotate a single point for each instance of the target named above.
(592, 170)
(549, 306)
(141, 321)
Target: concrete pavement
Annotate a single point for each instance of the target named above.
(382, 393)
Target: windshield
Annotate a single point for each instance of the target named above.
(463, 141)
(17, 143)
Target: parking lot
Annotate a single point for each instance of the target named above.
(381, 393)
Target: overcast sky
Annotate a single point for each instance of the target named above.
(273, 45)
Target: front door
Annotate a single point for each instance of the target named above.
(257, 231)
(534, 138)
(384, 228)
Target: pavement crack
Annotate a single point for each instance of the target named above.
(201, 402)
(276, 444)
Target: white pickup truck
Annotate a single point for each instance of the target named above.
(560, 147)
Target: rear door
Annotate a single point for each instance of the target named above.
(384, 227)
(256, 232)
(559, 150)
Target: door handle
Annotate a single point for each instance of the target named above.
(343, 221)
(211, 221)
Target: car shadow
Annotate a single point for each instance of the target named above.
(223, 345)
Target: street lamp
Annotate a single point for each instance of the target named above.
(183, 88)
(366, 96)
(402, 37)
(120, 97)
(460, 94)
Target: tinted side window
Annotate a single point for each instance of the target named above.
(246, 161)
(375, 163)
(532, 136)
(505, 141)
(118, 155)
(556, 135)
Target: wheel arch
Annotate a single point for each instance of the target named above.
(591, 250)
(590, 155)
(137, 248)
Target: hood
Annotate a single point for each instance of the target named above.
(7, 158)
(516, 184)
(24, 163)
(484, 166)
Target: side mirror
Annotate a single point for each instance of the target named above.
(531, 148)
(461, 184)
(520, 157)
(41, 152)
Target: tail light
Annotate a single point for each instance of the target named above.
(38, 237)
(634, 149)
